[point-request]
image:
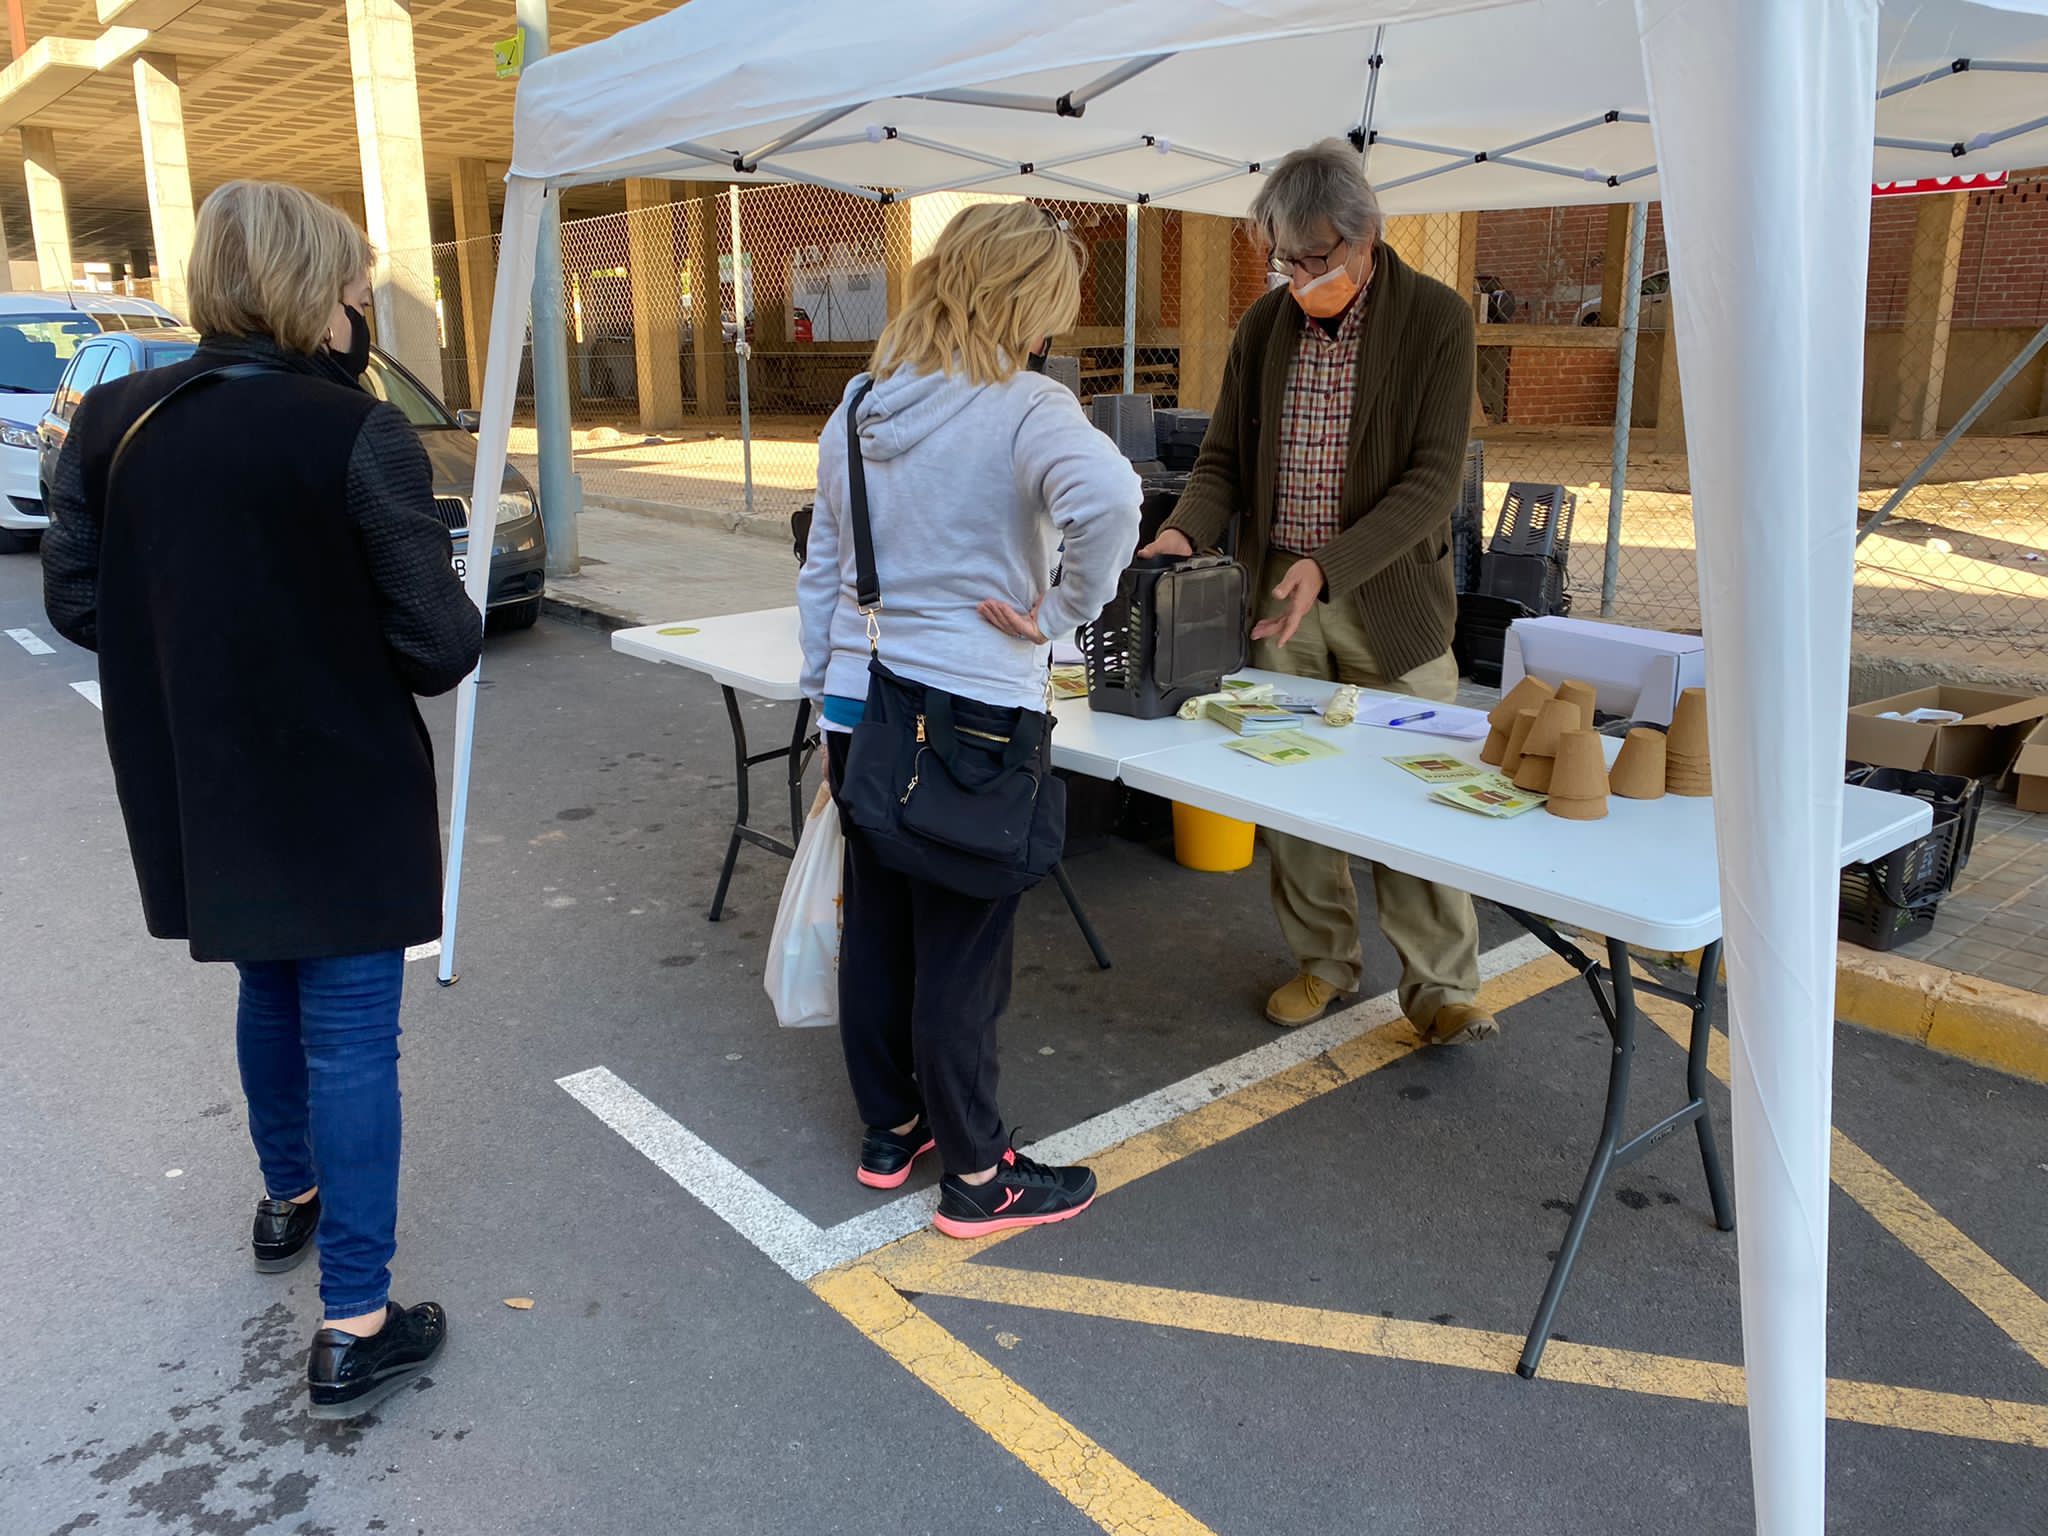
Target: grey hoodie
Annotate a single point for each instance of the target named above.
(971, 488)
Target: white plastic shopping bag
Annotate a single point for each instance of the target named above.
(803, 951)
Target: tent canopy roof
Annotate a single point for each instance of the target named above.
(1215, 88)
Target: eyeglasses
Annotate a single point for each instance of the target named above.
(1307, 266)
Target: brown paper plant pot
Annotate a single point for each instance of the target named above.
(1689, 725)
(1689, 776)
(1638, 773)
(1578, 780)
(1552, 721)
(1496, 749)
(1534, 773)
(1529, 693)
(1581, 694)
(1518, 734)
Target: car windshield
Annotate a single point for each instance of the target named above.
(162, 353)
(34, 350)
(419, 407)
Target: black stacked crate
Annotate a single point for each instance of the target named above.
(1893, 900)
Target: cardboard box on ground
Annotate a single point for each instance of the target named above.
(1982, 744)
(2030, 771)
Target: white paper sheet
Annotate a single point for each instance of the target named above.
(1452, 720)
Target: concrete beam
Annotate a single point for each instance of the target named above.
(54, 67)
(48, 220)
(657, 303)
(160, 110)
(1205, 281)
(380, 49)
(145, 14)
(1930, 308)
(476, 263)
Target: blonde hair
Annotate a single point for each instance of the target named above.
(1002, 278)
(270, 259)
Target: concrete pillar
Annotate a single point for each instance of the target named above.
(1204, 307)
(476, 265)
(1614, 265)
(657, 303)
(1151, 269)
(395, 182)
(160, 110)
(707, 340)
(1930, 306)
(47, 218)
(1670, 402)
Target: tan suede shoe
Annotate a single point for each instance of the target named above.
(1302, 1001)
(1461, 1024)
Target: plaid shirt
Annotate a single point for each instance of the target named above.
(1315, 434)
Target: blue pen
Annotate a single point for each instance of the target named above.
(1427, 714)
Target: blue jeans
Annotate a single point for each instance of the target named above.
(318, 1045)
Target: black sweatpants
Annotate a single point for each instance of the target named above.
(924, 974)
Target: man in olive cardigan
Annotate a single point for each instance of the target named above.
(1337, 446)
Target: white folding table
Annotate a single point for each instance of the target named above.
(1646, 875)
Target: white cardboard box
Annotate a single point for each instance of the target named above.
(1638, 673)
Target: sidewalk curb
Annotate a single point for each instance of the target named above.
(586, 611)
(1982, 1022)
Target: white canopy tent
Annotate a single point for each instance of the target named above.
(1760, 123)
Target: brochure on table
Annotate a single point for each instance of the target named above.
(1636, 673)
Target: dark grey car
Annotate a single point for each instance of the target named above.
(519, 551)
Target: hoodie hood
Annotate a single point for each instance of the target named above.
(906, 408)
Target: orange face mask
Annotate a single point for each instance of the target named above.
(1328, 296)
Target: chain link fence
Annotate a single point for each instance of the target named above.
(657, 299)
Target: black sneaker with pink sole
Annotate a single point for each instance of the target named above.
(886, 1156)
(1023, 1193)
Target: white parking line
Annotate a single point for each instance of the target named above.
(803, 1249)
(425, 951)
(31, 642)
(89, 690)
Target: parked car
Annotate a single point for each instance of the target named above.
(1653, 312)
(40, 334)
(519, 547)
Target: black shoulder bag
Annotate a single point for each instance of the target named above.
(945, 788)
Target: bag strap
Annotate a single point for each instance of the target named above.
(183, 386)
(867, 584)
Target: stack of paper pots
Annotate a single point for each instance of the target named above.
(1518, 738)
(1639, 771)
(1581, 694)
(1528, 694)
(1539, 752)
(1687, 768)
(1578, 781)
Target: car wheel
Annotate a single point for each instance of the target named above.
(19, 542)
(520, 615)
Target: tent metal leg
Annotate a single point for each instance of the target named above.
(1614, 987)
(798, 753)
(1094, 940)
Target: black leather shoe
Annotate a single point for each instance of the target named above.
(284, 1234)
(348, 1376)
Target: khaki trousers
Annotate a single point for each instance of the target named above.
(1432, 927)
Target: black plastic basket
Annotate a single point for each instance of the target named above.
(1468, 529)
(1482, 634)
(1893, 900)
(1175, 629)
(1531, 550)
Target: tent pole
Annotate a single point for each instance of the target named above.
(1624, 398)
(741, 347)
(560, 494)
(1130, 298)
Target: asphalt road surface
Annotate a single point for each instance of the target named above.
(1295, 1311)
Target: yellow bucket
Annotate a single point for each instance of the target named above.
(1205, 841)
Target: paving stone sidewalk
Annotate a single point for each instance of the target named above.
(642, 569)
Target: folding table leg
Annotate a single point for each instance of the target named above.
(739, 757)
(1059, 874)
(801, 746)
(1696, 1085)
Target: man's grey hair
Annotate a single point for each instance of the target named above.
(1323, 184)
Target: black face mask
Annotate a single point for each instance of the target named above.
(1036, 361)
(353, 359)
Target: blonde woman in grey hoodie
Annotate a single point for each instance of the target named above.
(980, 473)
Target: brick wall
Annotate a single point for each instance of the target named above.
(1560, 386)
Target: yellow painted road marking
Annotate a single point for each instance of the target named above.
(1475, 1349)
(907, 1261)
(2012, 1307)
(1073, 1465)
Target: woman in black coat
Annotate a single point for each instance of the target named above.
(252, 549)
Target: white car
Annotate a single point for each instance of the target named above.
(38, 334)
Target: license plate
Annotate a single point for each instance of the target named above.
(461, 564)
